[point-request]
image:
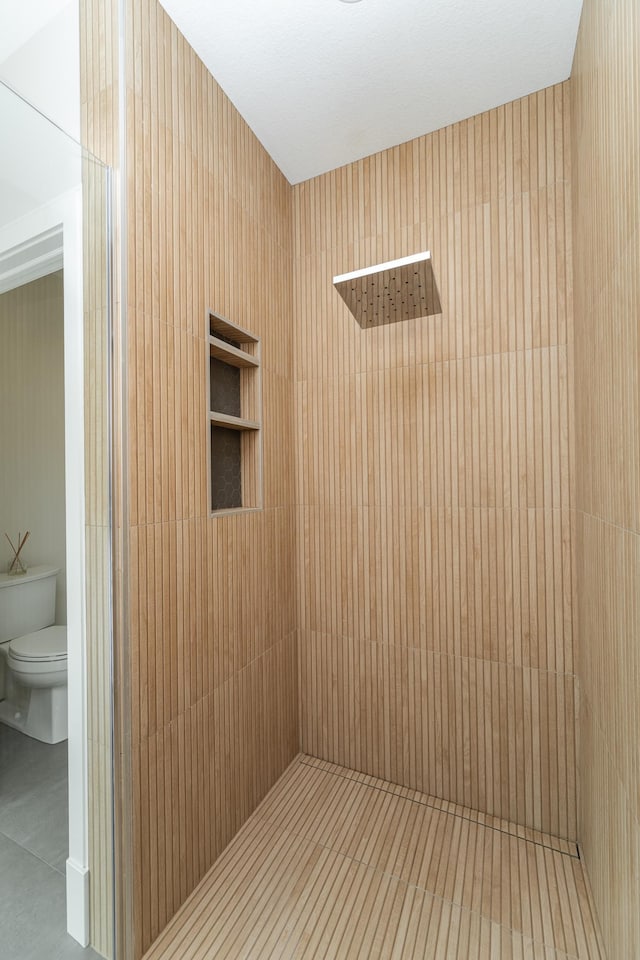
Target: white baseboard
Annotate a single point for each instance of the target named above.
(78, 902)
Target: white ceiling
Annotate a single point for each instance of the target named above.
(325, 82)
(40, 59)
(21, 20)
(38, 162)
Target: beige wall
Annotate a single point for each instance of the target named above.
(212, 601)
(32, 493)
(606, 204)
(433, 484)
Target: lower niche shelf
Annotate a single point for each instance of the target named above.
(233, 423)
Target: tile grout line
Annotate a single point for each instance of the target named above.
(32, 854)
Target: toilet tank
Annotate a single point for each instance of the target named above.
(27, 602)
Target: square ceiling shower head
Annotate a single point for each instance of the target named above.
(397, 290)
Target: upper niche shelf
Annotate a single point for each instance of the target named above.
(388, 292)
(232, 344)
(232, 355)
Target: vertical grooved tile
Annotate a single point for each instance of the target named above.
(605, 209)
(433, 475)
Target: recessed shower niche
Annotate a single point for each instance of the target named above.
(235, 413)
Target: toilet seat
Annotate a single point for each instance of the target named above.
(43, 646)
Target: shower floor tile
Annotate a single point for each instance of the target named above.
(334, 863)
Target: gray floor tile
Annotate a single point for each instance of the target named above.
(27, 764)
(34, 796)
(39, 822)
(33, 915)
(34, 841)
(31, 761)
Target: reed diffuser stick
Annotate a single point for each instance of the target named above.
(16, 566)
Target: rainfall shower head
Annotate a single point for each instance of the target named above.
(397, 290)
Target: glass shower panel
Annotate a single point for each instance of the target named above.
(55, 233)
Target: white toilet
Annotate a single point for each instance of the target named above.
(33, 656)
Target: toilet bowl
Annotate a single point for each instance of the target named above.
(34, 658)
(40, 659)
(36, 685)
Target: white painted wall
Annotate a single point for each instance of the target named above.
(40, 57)
(32, 478)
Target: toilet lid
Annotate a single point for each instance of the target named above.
(47, 644)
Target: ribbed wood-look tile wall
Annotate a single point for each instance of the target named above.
(98, 567)
(99, 115)
(211, 601)
(606, 175)
(434, 470)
